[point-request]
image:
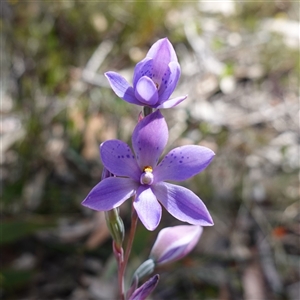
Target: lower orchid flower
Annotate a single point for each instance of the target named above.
(143, 176)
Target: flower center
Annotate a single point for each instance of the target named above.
(147, 176)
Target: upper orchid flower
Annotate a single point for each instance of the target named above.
(142, 176)
(154, 79)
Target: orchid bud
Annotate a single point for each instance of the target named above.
(173, 243)
(113, 220)
(146, 289)
(116, 226)
(146, 268)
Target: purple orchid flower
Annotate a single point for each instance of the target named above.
(141, 176)
(154, 79)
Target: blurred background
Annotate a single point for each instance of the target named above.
(240, 67)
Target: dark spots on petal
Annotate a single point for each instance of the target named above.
(128, 156)
(119, 156)
(180, 161)
(140, 148)
(132, 156)
(122, 156)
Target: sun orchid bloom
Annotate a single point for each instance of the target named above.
(154, 79)
(173, 243)
(142, 176)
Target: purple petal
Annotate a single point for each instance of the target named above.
(149, 139)
(147, 207)
(172, 102)
(146, 91)
(183, 162)
(162, 53)
(146, 289)
(143, 68)
(118, 158)
(110, 193)
(121, 87)
(173, 243)
(169, 81)
(182, 204)
(163, 45)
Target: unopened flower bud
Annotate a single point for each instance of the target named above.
(144, 269)
(173, 243)
(116, 226)
(146, 289)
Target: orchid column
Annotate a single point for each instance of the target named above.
(140, 174)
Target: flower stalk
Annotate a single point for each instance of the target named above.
(123, 263)
(147, 110)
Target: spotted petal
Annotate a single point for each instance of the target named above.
(183, 162)
(147, 207)
(182, 204)
(110, 193)
(143, 68)
(118, 158)
(149, 139)
(169, 81)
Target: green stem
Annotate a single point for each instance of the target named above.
(123, 263)
(134, 219)
(147, 110)
(120, 259)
